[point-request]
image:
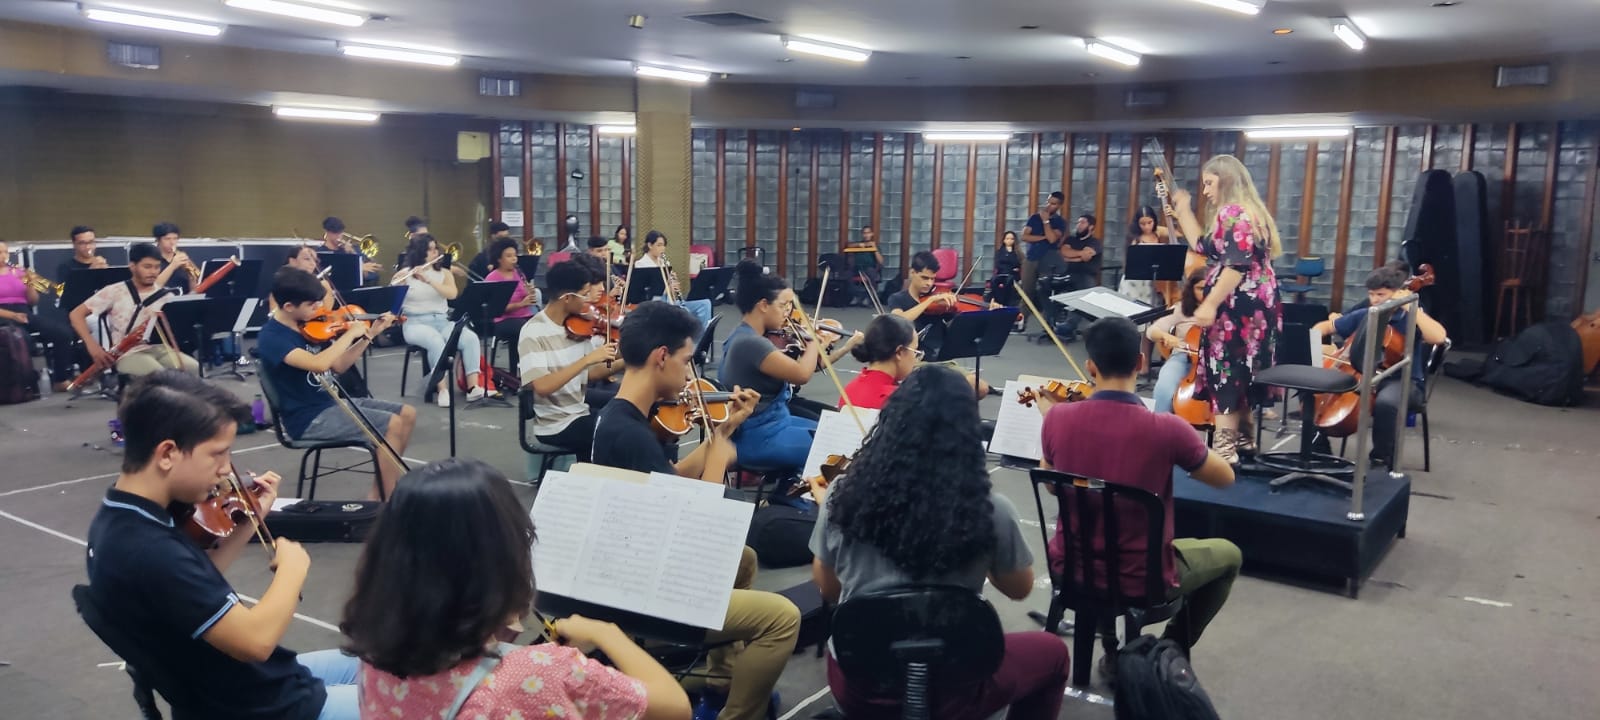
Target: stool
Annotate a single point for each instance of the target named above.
(1305, 464)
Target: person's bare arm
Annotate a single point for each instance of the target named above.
(1215, 471)
(250, 634)
(826, 579)
(664, 697)
(1015, 584)
(337, 357)
(547, 384)
(795, 371)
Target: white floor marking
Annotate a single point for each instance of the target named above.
(74, 481)
(1087, 696)
(1490, 603)
(795, 711)
(1284, 441)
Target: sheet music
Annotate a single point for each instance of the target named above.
(1017, 427)
(1114, 304)
(1316, 347)
(837, 434)
(245, 313)
(659, 548)
(678, 482)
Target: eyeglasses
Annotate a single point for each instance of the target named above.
(915, 353)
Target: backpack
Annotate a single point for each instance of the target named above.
(1542, 364)
(781, 535)
(1155, 682)
(19, 382)
(816, 617)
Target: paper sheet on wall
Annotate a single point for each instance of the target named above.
(698, 262)
(658, 549)
(1016, 428)
(837, 434)
(512, 188)
(511, 217)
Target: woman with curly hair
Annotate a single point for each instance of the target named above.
(917, 507)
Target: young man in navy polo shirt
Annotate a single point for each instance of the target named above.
(169, 598)
(1114, 437)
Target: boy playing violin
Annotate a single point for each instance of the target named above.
(169, 598)
(289, 361)
(557, 364)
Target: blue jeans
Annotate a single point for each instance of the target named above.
(774, 439)
(429, 332)
(701, 309)
(1167, 381)
(338, 672)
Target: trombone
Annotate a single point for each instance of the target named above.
(534, 247)
(365, 244)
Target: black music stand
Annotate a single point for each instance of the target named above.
(711, 284)
(646, 284)
(83, 283)
(529, 265)
(204, 317)
(241, 282)
(445, 369)
(483, 302)
(976, 335)
(1099, 302)
(346, 268)
(1156, 263)
(378, 299)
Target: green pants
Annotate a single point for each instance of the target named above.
(1206, 569)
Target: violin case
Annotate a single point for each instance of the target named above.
(311, 521)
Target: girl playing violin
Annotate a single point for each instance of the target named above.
(169, 598)
(889, 351)
(424, 624)
(558, 364)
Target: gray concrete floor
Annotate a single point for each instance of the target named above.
(1485, 609)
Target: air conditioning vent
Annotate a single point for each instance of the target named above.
(142, 57)
(810, 99)
(1145, 98)
(726, 19)
(1521, 75)
(499, 87)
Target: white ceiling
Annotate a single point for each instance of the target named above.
(915, 41)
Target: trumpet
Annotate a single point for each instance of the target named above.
(41, 284)
(453, 250)
(534, 247)
(365, 244)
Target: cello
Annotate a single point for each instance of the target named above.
(1336, 413)
(1195, 259)
(1194, 411)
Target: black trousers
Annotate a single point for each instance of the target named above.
(578, 437)
(57, 340)
(1384, 410)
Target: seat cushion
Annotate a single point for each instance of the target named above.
(1306, 377)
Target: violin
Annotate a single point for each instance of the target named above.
(793, 336)
(1184, 404)
(699, 402)
(594, 321)
(830, 471)
(965, 302)
(1056, 391)
(1336, 413)
(235, 501)
(329, 324)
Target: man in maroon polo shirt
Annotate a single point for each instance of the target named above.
(1114, 437)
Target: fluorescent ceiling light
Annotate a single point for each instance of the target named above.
(303, 12)
(968, 136)
(1238, 6)
(153, 22)
(1349, 34)
(305, 113)
(828, 50)
(618, 129)
(689, 76)
(418, 57)
(1101, 48)
(1297, 133)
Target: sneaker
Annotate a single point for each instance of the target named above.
(710, 705)
(442, 398)
(476, 393)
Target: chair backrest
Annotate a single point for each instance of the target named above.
(1436, 355)
(269, 391)
(949, 264)
(1514, 253)
(146, 673)
(703, 348)
(1085, 505)
(951, 629)
(551, 259)
(1309, 267)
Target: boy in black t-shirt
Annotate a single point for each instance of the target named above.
(289, 362)
(657, 348)
(169, 599)
(913, 304)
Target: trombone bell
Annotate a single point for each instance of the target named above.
(534, 247)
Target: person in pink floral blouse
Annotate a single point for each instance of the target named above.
(1242, 312)
(447, 567)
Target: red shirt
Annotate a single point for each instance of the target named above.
(1114, 437)
(870, 389)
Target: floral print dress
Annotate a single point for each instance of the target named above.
(535, 681)
(1240, 343)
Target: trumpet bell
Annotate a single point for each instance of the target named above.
(453, 250)
(535, 247)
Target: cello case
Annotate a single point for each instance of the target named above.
(1475, 279)
(1430, 237)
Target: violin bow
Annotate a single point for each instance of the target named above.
(330, 385)
(1052, 333)
(258, 524)
(827, 365)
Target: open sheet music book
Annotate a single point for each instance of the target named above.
(1017, 427)
(657, 548)
(837, 434)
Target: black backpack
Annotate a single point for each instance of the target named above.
(1542, 364)
(781, 535)
(1155, 682)
(19, 382)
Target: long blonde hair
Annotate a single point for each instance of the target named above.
(1234, 187)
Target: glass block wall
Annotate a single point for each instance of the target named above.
(611, 179)
(510, 145)
(1114, 216)
(985, 204)
(1447, 144)
(1291, 196)
(830, 197)
(798, 265)
(766, 184)
(1019, 176)
(736, 198)
(1575, 157)
(891, 238)
(953, 200)
(1361, 240)
(1323, 225)
(577, 138)
(703, 188)
(921, 157)
(863, 147)
(545, 217)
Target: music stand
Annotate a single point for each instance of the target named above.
(379, 299)
(346, 268)
(711, 284)
(1099, 302)
(241, 282)
(976, 335)
(83, 283)
(646, 284)
(1156, 263)
(206, 317)
(529, 265)
(483, 302)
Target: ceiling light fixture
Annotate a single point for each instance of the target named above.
(966, 136)
(1101, 48)
(1345, 29)
(827, 50)
(306, 113)
(302, 12)
(416, 57)
(1282, 31)
(1238, 6)
(688, 76)
(1297, 132)
(618, 129)
(152, 22)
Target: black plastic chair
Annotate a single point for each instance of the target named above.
(1305, 463)
(705, 350)
(548, 455)
(1436, 355)
(405, 369)
(909, 641)
(146, 675)
(312, 450)
(1084, 505)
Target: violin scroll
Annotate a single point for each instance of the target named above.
(1055, 391)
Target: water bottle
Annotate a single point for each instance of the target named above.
(44, 382)
(258, 412)
(115, 427)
